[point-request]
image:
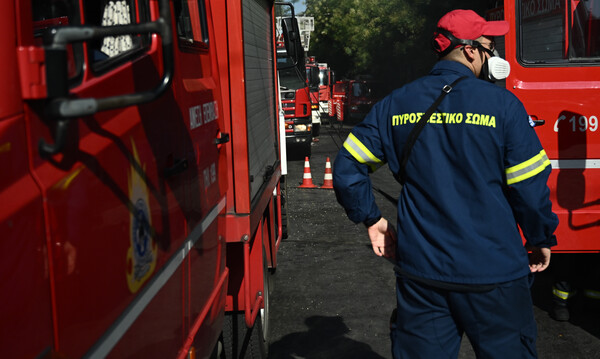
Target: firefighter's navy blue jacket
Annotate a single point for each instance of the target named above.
(476, 170)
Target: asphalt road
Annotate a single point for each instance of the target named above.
(333, 297)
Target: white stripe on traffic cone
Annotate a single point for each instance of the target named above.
(307, 177)
(328, 178)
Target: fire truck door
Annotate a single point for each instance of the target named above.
(197, 92)
(25, 309)
(114, 196)
(554, 72)
(24, 282)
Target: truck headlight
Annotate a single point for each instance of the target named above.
(300, 128)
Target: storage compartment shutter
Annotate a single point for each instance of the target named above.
(260, 90)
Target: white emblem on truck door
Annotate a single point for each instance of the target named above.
(141, 256)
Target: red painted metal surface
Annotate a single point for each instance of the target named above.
(241, 227)
(118, 244)
(565, 96)
(352, 99)
(215, 298)
(25, 272)
(10, 89)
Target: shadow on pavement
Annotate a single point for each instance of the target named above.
(326, 338)
(584, 313)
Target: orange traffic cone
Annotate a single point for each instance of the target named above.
(328, 179)
(307, 177)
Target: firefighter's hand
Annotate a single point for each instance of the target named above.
(383, 238)
(539, 258)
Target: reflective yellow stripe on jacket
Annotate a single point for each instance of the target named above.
(527, 169)
(592, 294)
(361, 153)
(561, 294)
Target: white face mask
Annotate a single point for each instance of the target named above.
(497, 68)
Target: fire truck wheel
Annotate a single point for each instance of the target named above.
(218, 352)
(243, 342)
(249, 343)
(265, 311)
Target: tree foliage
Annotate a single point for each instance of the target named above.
(388, 40)
(285, 10)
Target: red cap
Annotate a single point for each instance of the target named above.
(467, 25)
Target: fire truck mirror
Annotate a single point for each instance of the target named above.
(292, 41)
(314, 78)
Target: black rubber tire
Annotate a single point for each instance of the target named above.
(241, 342)
(218, 352)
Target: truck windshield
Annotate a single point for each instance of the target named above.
(290, 77)
(360, 89)
(547, 38)
(585, 29)
(323, 77)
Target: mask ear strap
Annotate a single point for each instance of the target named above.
(454, 42)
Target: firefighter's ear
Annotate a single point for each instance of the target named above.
(470, 52)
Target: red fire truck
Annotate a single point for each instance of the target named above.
(553, 47)
(351, 100)
(140, 195)
(320, 78)
(294, 93)
(295, 101)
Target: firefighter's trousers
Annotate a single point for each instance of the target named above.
(430, 321)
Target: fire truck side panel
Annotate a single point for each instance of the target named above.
(115, 207)
(149, 337)
(88, 216)
(125, 240)
(26, 310)
(257, 169)
(239, 191)
(253, 126)
(564, 95)
(260, 92)
(132, 204)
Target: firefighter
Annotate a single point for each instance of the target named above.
(475, 171)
